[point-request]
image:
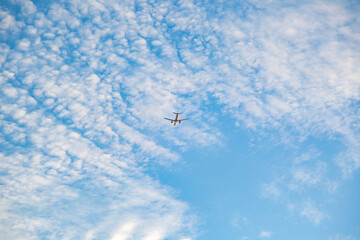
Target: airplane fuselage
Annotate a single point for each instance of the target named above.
(176, 119)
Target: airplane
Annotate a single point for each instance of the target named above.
(176, 120)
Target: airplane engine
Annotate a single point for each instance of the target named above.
(171, 121)
(179, 122)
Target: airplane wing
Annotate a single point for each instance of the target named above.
(169, 119)
(183, 119)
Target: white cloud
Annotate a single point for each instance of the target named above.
(349, 161)
(238, 222)
(271, 190)
(265, 234)
(10, 91)
(90, 94)
(27, 7)
(24, 44)
(125, 231)
(310, 176)
(297, 83)
(314, 215)
(69, 136)
(7, 20)
(283, 71)
(9, 27)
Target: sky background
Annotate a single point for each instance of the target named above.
(271, 149)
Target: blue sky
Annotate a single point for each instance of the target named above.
(271, 149)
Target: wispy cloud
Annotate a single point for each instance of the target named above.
(265, 234)
(85, 84)
(238, 222)
(271, 190)
(73, 149)
(282, 72)
(312, 213)
(292, 73)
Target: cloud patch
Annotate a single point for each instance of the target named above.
(312, 213)
(265, 234)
